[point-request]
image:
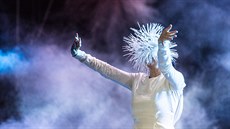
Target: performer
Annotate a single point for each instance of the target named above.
(157, 97)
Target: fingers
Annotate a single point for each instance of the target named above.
(76, 37)
(168, 28)
(77, 41)
(173, 32)
(171, 37)
(168, 37)
(167, 34)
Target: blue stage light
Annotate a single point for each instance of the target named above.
(9, 61)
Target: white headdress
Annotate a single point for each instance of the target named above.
(142, 46)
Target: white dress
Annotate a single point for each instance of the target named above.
(157, 102)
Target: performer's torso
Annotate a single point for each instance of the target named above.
(155, 103)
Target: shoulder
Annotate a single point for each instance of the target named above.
(140, 75)
(137, 77)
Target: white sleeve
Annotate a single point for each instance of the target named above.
(175, 78)
(110, 72)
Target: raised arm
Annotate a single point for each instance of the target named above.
(175, 77)
(106, 70)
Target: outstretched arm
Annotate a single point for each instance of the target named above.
(106, 70)
(175, 78)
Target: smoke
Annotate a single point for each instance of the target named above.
(56, 91)
(9, 60)
(203, 43)
(194, 114)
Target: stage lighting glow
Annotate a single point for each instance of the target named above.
(9, 61)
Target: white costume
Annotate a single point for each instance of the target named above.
(157, 102)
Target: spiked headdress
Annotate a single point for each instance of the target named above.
(142, 46)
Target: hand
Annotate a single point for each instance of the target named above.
(76, 45)
(167, 34)
(75, 49)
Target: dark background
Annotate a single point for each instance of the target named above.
(36, 66)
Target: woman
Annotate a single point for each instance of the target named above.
(157, 97)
